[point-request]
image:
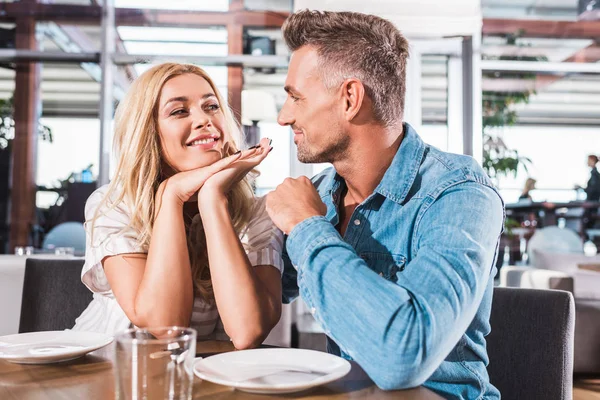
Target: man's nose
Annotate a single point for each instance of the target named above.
(284, 118)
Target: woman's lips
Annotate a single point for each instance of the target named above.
(204, 144)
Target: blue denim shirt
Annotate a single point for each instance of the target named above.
(407, 291)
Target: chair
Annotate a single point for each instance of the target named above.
(531, 344)
(67, 234)
(585, 286)
(53, 295)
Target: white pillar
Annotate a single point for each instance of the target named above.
(455, 105)
(413, 107)
(106, 90)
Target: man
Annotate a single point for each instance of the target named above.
(592, 189)
(394, 250)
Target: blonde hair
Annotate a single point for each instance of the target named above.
(138, 173)
(529, 184)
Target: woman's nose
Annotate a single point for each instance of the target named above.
(201, 120)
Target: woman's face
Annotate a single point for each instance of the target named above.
(191, 124)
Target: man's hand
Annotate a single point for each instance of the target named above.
(294, 201)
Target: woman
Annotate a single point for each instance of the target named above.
(177, 238)
(529, 186)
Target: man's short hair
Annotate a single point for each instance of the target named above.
(355, 45)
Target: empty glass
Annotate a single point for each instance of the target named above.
(155, 363)
(24, 250)
(64, 251)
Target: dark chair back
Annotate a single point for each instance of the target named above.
(53, 295)
(531, 344)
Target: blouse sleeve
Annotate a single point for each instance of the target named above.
(107, 235)
(263, 241)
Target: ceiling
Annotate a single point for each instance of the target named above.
(532, 9)
(72, 90)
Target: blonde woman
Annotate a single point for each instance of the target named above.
(178, 238)
(529, 186)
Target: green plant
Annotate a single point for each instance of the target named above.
(7, 125)
(509, 225)
(498, 111)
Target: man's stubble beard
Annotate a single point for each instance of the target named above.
(334, 151)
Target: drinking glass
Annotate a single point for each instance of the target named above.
(155, 363)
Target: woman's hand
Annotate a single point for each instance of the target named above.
(184, 185)
(220, 183)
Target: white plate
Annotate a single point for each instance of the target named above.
(49, 347)
(272, 370)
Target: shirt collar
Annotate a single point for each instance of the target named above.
(401, 174)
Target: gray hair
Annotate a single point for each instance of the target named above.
(355, 45)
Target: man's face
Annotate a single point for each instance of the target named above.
(314, 112)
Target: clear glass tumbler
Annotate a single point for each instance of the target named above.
(155, 363)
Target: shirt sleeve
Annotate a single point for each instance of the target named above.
(400, 333)
(108, 234)
(263, 241)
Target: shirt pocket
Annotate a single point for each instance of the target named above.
(385, 264)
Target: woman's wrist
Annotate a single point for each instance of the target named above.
(209, 200)
(166, 196)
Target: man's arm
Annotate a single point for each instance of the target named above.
(401, 332)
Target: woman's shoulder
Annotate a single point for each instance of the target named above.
(104, 203)
(259, 209)
(260, 221)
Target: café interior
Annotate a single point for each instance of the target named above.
(515, 84)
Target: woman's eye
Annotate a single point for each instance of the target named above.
(178, 111)
(213, 107)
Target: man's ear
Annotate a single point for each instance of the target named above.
(353, 93)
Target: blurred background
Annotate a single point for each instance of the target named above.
(514, 83)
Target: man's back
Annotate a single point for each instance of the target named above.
(411, 232)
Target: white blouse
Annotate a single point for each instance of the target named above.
(261, 239)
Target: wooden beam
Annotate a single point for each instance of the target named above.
(542, 28)
(589, 54)
(26, 96)
(91, 15)
(75, 14)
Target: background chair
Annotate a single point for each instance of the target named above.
(53, 295)
(585, 286)
(531, 344)
(67, 234)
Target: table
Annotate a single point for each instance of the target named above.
(91, 378)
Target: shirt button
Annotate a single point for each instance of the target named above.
(357, 222)
(313, 311)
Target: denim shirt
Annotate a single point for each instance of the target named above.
(407, 291)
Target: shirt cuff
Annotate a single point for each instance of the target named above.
(308, 235)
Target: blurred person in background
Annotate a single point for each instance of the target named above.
(529, 186)
(592, 189)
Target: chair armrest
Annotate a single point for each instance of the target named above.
(535, 278)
